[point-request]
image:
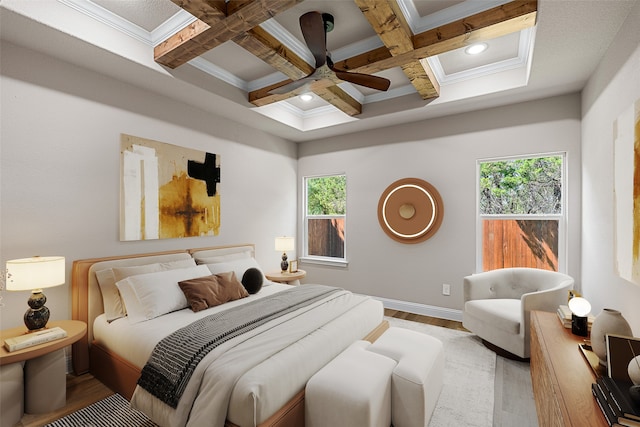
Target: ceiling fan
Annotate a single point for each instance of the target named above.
(315, 26)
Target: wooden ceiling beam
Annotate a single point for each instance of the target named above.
(205, 10)
(266, 47)
(232, 6)
(261, 97)
(496, 22)
(339, 99)
(171, 51)
(190, 44)
(387, 20)
(422, 78)
(391, 26)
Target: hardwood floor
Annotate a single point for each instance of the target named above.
(451, 324)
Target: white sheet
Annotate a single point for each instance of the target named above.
(264, 384)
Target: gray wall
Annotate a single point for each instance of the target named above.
(60, 169)
(443, 152)
(613, 88)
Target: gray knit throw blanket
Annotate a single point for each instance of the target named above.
(175, 358)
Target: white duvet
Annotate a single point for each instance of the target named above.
(250, 377)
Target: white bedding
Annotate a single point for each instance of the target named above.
(264, 372)
(135, 341)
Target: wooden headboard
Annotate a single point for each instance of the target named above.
(87, 299)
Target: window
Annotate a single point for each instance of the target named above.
(325, 203)
(521, 219)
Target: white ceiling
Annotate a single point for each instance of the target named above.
(116, 37)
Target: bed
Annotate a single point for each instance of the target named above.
(267, 367)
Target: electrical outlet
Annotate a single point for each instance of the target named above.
(446, 289)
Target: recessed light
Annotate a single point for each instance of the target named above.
(477, 48)
(306, 97)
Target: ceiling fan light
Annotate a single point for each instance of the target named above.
(476, 48)
(306, 97)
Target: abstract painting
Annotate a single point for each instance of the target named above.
(626, 136)
(167, 191)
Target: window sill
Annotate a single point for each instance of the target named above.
(325, 261)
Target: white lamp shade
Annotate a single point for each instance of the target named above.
(284, 244)
(579, 306)
(27, 274)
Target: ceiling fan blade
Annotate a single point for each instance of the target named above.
(312, 26)
(292, 86)
(374, 82)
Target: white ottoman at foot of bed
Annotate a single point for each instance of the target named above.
(354, 389)
(417, 379)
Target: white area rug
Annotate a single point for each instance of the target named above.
(467, 396)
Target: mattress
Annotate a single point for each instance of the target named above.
(266, 385)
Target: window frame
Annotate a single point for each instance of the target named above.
(315, 259)
(562, 218)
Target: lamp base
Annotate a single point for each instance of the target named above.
(284, 265)
(37, 316)
(580, 325)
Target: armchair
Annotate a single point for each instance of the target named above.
(497, 304)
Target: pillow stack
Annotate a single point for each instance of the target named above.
(114, 307)
(147, 291)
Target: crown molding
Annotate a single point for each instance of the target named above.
(419, 24)
(109, 18)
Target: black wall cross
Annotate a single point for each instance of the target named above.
(207, 172)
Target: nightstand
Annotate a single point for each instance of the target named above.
(286, 277)
(45, 373)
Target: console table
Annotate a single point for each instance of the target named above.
(561, 376)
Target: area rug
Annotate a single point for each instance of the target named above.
(467, 396)
(113, 411)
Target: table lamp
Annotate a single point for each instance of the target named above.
(284, 244)
(580, 309)
(34, 274)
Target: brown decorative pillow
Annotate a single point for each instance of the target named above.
(209, 291)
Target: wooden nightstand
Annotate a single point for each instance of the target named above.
(45, 380)
(286, 277)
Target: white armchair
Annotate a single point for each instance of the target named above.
(497, 304)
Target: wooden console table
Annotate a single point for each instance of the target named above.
(561, 376)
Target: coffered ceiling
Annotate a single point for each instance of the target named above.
(227, 57)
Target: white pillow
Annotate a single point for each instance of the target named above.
(113, 307)
(151, 295)
(223, 258)
(238, 266)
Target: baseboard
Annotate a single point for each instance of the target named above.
(424, 309)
